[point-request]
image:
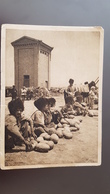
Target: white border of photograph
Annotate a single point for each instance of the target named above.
(3, 79)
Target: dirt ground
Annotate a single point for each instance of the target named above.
(81, 149)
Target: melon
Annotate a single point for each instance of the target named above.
(66, 125)
(67, 135)
(39, 139)
(54, 138)
(33, 143)
(77, 126)
(67, 128)
(71, 116)
(51, 131)
(60, 128)
(63, 121)
(59, 132)
(42, 147)
(50, 143)
(73, 129)
(73, 122)
(43, 134)
(47, 137)
(59, 125)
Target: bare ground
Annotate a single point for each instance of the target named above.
(82, 148)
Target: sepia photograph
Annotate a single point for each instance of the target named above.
(51, 96)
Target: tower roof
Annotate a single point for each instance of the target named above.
(25, 40)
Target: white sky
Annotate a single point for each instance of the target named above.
(75, 54)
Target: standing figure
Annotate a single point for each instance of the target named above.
(85, 92)
(70, 89)
(45, 92)
(23, 93)
(14, 93)
(91, 97)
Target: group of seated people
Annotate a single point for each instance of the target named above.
(86, 93)
(29, 93)
(19, 129)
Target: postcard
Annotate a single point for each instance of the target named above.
(51, 96)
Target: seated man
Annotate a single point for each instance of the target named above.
(42, 117)
(68, 108)
(73, 107)
(53, 116)
(41, 105)
(68, 113)
(79, 107)
(18, 129)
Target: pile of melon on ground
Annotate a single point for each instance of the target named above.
(47, 140)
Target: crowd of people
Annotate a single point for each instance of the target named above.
(29, 93)
(46, 120)
(86, 94)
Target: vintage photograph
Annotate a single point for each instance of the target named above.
(51, 96)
